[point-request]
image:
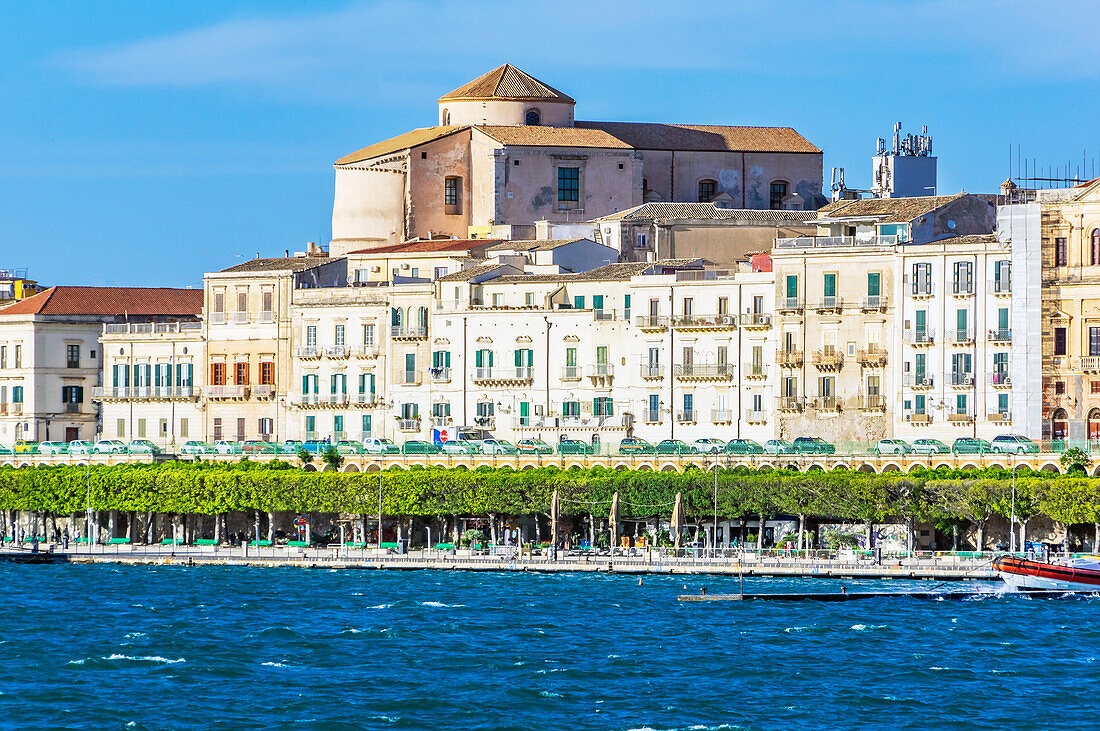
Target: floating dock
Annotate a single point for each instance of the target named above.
(849, 596)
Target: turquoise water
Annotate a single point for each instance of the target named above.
(233, 648)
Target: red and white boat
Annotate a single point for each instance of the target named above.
(1075, 574)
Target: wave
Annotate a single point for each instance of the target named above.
(116, 657)
(441, 605)
(274, 665)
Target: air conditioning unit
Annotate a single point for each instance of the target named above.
(376, 269)
(538, 409)
(405, 265)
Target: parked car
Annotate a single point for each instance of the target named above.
(497, 446)
(290, 446)
(254, 446)
(1013, 444)
(24, 447)
(80, 447)
(109, 446)
(142, 446)
(636, 445)
(778, 446)
(708, 446)
(459, 446)
(813, 445)
(930, 446)
(533, 446)
(315, 446)
(892, 446)
(4, 450)
(194, 446)
(419, 446)
(350, 446)
(743, 446)
(576, 446)
(971, 445)
(380, 446)
(52, 448)
(673, 446)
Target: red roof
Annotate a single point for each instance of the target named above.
(426, 247)
(137, 301)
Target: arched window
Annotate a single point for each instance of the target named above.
(778, 193)
(533, 118)
(707, 189)
(1059, 424)
(446, 117)
(397, 318)
(1094, 246)
(1094, 426)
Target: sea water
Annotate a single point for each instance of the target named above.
(142, 647)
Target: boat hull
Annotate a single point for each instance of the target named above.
(1020, 573)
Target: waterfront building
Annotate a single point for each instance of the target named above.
(51, 358)
(507, 152)
(15, 286)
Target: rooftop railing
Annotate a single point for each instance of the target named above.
(828, 242)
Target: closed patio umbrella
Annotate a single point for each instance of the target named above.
(555, 513)
(613, 521)
(678, 518)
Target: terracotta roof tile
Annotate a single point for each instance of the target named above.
(553, 137)
(281, 264)
(704, 137)
(435, 245)
(136, 301)
(506, 82)
(404, 141)
(536, 244)
(649, 211)
(887, 210)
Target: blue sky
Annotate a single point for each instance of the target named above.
(145, 143)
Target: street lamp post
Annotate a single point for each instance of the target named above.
(380, 507)
(714, 538)
(1012, 514)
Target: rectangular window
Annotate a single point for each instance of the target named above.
(267, 373)
(366, 426)
(1094, 341)
(960, 404)
(240, 373)
(3, 356)
(829, 285)
(569, 185)
(688, 307)
(571, 409)
(18, 356)
(219, 302)
(368, 335)
(267, 298)
(874, 284)
(597, 302)
(184, 423)
(1059, 341)
(792, 285)
(1061, 252)
(338, 335)
(240, 429)
(723, 305)
(311, 335)
(626, 306)
(242, 300)
(120, 429)
(641, 241)
(450, 192)
(578, 302)
(72, 356)
(964, 277)
(266, 427)
(217, 374)
(218, 428)
(439, 272)
(141, 428)
(922, 279)
(778, 193)
(1002, 403)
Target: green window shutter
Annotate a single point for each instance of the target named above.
(1002, 318)
(446, 359)
(597, 301)
(371, 376)
(332, 383)
(571, 356)
(792, 285)
(830, 285)
(873, 284)
(490, 359)
(519, 358)
(305, 384)
(479, 357)
(960, 320)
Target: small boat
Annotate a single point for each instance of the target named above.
(1076, 574)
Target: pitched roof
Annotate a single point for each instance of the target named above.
(887, 210)
(431, 246)
(281, 264)
(400, 142)
(136, 301)
(506, 82)
(649, 211)
(465, 275)
(552, 136)
(610, 272)
(704, 137)
(536, 244)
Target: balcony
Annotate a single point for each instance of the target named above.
(602, 315)
(686, 417)
(308, 351)
(710, 372)
(310, 436)
(365, 399)
(72, 408)
(263, 390)
(756, 321)
(601, 371)
(1000, 379)
(366, 351)
(827, 403)
(413, 332)
(788, 304)
(960, 417)
(651, 323)
(919, 417)
(308, 399)
(408, 378)
(829, 304)
(335, 399)
(1001, 417)
(834, 242)
(790, 404)
(755, 417)
(920, 337)
(339, 436)
(704, 322)
(918, 381)
(874, 302)
(438, 421)
(266, 316)
(1088, 363)
(721, 416)
(652, 371)
(441, 374)
(961, 289)
(754, 372)
(790, 358)
(1000, 336)
(338, 351)
(226, 392)
(962, 380)
(651, 416)
(871, 357)
(407, 425)
(873, 402)
(152, 328)
(504, 375)
(485, 422)
(1000, 287)
(571, 373)
(920, 290)
(960, 337)
(828, 360)
(240, 318)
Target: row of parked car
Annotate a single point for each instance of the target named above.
(1004, 444)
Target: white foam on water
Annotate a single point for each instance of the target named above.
(865, 627)
(441, 605)
(937, 667)
(75, 662)
(274, 664)
(146, 658)
(790, 630)
(380, 606)
(550, 694)
(135, 635)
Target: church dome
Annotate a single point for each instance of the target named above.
(506, 96)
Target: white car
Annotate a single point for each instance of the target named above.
(223, 447)
(892, 446)
(80, 447)
(52, 448)
(380, 446)
(109, 446)
(497, 446)
(195, 447)
(708, 446)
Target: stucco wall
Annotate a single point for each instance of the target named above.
(552, 114)
(746, 177)
(369, 204)
(429, 166)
